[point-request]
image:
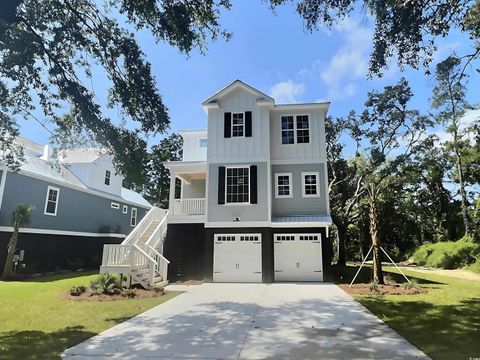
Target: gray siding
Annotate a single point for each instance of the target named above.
(76, 211)
(298, 205)
(194, 190)
(228, 212)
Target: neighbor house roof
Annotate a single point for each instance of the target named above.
(78, 156)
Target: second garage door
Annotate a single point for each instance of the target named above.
(298, 257)
(237, 258)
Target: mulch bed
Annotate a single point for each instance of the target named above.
(387, 289)
(139, 294)
(189, 282)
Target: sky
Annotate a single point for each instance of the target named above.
(273, 53)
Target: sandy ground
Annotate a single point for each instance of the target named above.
(456, 273)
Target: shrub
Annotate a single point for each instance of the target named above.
(374, 288)
(77, 290)
(107, 284)
(129, 293)
(447, 255)
(475, 267)
(159, 289)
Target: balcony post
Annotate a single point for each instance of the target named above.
(171, 198)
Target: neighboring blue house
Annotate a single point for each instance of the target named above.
(80, 205)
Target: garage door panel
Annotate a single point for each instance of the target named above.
(298, 257)
(237, 258)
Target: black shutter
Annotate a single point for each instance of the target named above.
(253, 184)
(221, 185)
(248, 123)
(227, 127)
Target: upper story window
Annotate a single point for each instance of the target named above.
(108, 175)
(283, 185)
(238, 128)
(203, 143)
(310, 184)
(295, 129)
(238, 188)
(51, 203)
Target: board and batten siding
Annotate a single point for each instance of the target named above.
(297, 204)
(314, 151)
(76, 211)
(194, 190)
(255, 148)
(245, 212)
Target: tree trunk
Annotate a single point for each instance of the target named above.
(377, 258)
(12, 245)
(463, 193)
(342, 233)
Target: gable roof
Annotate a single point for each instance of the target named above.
(79, 156)
(235, 85)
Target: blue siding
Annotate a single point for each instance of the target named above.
(76, 211)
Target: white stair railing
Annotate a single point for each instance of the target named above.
(158, 234)
(153, 214)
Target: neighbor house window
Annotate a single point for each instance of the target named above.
(283, 185)
(203, 143)
(125, 209)
(51, 203)
(310, 186)
(133, 217)
(237, 125)
(288, 130)
(114, 205)
(298, 125)
(237, 185)
(108, 175)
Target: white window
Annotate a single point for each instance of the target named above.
(203, 143)
(299, 125)
(283, 185)
(125, 209)
(238, 129)
(51, 202)
(114, 205)
(237, 185)
(108, 175)
(133, 217)
(310, 186)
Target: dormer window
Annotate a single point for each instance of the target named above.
(237, 125)
(203, 143)
(108, 175)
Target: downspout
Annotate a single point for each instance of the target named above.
(2, 184)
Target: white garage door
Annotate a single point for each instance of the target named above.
(298, 257)
(237, 258)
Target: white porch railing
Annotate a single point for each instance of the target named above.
(189, 206)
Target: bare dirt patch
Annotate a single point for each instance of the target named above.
(387, 289)
(137, 294)
(188, 282)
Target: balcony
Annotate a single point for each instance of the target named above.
(187, 207)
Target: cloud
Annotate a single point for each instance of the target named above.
(467, 120)
(350, 61)
(287, 91)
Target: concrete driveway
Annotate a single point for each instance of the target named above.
(251, 321)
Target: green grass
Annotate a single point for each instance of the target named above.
(36, 323)
(444, 323)
(475, 267)
(447, 255)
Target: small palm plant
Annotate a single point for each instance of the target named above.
(20, 218)
(107, 284)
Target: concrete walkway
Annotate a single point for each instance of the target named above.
(251, 321)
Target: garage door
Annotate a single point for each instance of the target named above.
(237, 258)
(298, 257)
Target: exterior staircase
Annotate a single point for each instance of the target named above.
(139, 256)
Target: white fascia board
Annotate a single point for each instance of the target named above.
(186, 167)
(232, 86)
(61, 232)
(78, 188)
(296, 161)
(308, 106)
(186, 219)
(192, 131)
(236, 224)
(297, 224)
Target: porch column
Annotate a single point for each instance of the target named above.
(171, 199)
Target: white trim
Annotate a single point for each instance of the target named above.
(238, 160)
(131, 216)
(325, 170)
(109, 177)
(243, 125)
(56, 201)
(79, 188)
(234, 224)
(317, 184)
(295, 129)
(305, 106)
(186, 219)
(290, 185)
(298, 224)
(60, 232)
(115, 205)
(125, 209)
(296, 161)
(2, 184)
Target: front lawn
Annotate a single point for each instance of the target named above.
(36, 323)
(444, 323)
